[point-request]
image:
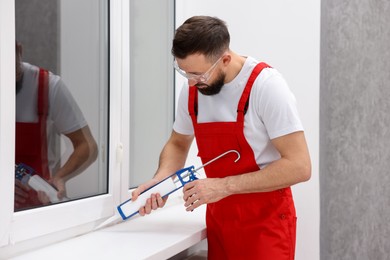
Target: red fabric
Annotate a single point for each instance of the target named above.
(243, 226)
(31, 139)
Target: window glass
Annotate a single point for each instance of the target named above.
(62, 100)
(151, 85)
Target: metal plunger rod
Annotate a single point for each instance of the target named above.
(212, 160)
(219, 156)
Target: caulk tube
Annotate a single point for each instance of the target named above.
(129, 208)
(39, 184)
(165, 187)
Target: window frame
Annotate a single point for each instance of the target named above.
(36, 227)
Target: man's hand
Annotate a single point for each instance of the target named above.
(59, 184)
(43, 198)
(152, 203)
(199, 192)
(22, 194)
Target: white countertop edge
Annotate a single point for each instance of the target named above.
(160, 235)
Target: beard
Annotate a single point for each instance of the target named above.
(214, 88)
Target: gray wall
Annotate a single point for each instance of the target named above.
(354, 129)
(37, 30)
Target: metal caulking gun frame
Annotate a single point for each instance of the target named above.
(165, 187)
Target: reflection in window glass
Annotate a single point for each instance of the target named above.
(62, 100)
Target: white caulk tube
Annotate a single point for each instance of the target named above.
(129, 208)
(39, 184)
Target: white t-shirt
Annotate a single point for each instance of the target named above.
(271, 112)
(64, 115)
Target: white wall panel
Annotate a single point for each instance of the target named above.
(286, 35)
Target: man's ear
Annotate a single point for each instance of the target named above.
(226, 59)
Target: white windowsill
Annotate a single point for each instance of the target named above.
(163, 234)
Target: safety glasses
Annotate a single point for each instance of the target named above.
(195, 77)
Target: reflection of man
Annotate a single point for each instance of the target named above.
(44, 110)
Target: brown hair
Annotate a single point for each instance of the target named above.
(201, 34)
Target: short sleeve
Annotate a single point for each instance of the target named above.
(277, 107)
(64, 111)
(183, 123)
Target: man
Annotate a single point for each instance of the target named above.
(44, 110)
(234, 102)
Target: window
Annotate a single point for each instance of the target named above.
(152, 85)
(97, 36)
(69, 39)
(117, 138)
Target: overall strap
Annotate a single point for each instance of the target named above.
(193, 103)
(43, 92)
(43, 108)
(244, 100)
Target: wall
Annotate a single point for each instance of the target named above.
(285, 34)
(39, 37)
(355, 136)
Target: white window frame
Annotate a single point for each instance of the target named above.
(36, 227)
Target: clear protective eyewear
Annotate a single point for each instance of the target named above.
(195, 77)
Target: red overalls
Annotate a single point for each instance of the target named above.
(259, 225)
(31, 139)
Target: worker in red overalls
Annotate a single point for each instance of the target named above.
(234, 102)
(44, 110)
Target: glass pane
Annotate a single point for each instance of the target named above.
(151, 85)
(61, 101)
